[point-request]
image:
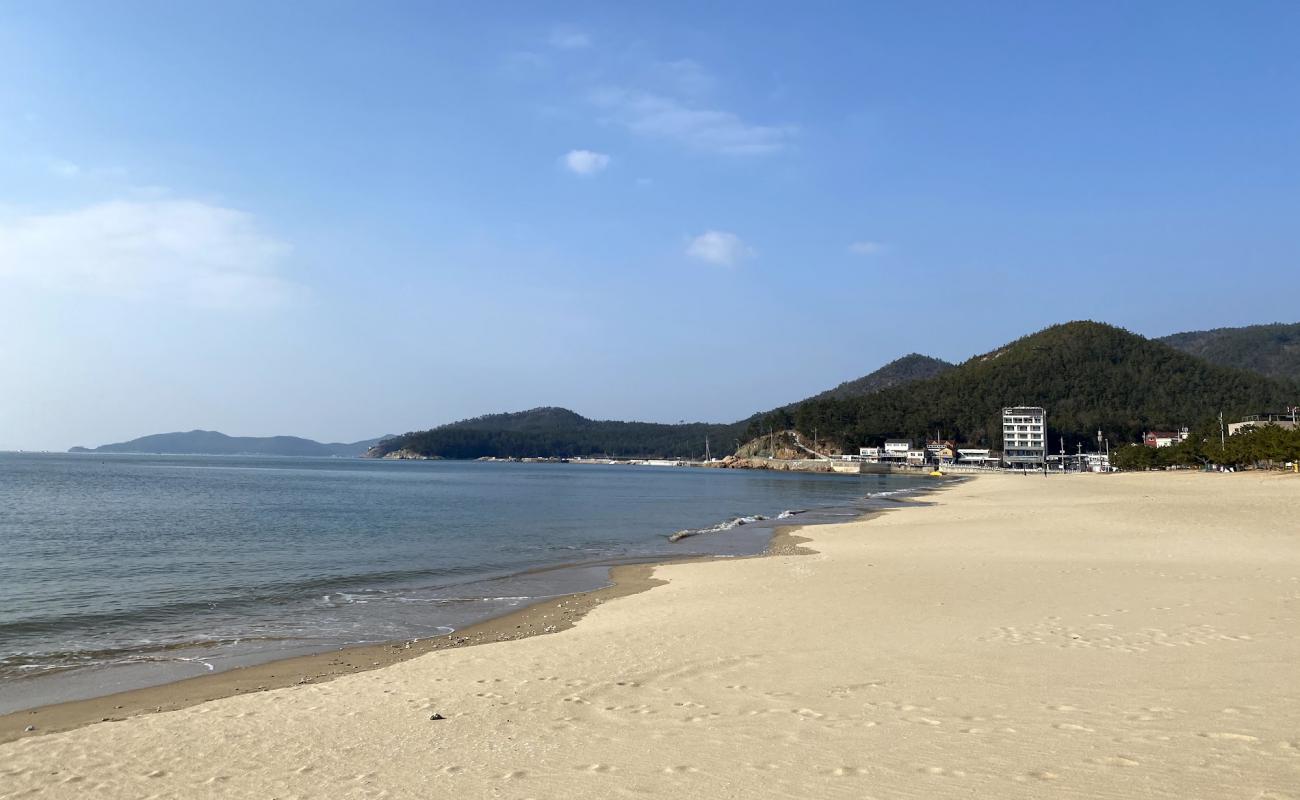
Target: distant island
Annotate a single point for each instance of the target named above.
(214, 443)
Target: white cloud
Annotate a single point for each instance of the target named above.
(705, 129)
(585, 162)
(866, 248)
(181, 251)
(569, 39)
(719, 247)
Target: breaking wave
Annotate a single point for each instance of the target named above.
(719, 528)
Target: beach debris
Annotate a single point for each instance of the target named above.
(437, 717)
(29, 729)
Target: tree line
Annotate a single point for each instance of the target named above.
(1264, 446)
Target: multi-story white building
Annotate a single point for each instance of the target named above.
(1024, 436)
(896, 449)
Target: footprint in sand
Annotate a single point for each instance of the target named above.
(1114, 761)
(1230, 737)
(1070, 726)
(600, 768)
(680, 769)
(942, 771)
(1037, 775)
(848, 772)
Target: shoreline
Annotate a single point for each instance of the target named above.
(1104, 636)
(545, 616)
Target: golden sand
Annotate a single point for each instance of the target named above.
(1083, 636)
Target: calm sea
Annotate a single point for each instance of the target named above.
(123, 571)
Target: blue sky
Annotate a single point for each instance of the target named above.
(338, 220)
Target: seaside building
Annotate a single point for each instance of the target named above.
(1287, 419)
(977, 456)
(1164, 438)
(940, 452)
(896, 450)
(1024, 436)
(916, 458)
(871, 454)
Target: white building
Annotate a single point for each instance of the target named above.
(869, 454)
(974, 455)
(916, 458)
(1024, 436)
(896, 449)
(1282, 420)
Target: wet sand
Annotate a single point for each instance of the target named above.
(1078, 637)
(548, 616)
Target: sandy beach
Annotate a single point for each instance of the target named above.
(1087, 636)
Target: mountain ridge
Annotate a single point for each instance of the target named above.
(908, 368)
(1272, 349)
(1089, 376)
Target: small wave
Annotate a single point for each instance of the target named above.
(789, 513)
(890, 493)
(719, 528)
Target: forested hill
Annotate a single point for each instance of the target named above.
(1271, 350)
(214, 443)
(559, 432)
(1088, 375)
(911, 367)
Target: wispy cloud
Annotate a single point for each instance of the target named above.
(585, 162)
(704, 129)
(866, 248)
(719, 247)
(684, 76)
(565, 38)
(182, 251)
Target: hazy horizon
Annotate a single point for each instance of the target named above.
(346, 221)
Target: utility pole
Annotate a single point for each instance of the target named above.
(1222, 441)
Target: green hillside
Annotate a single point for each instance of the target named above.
(1087, 375)
(1271, 350)
(559, 432)
(911, 367)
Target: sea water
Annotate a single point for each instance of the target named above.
(120, 571)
